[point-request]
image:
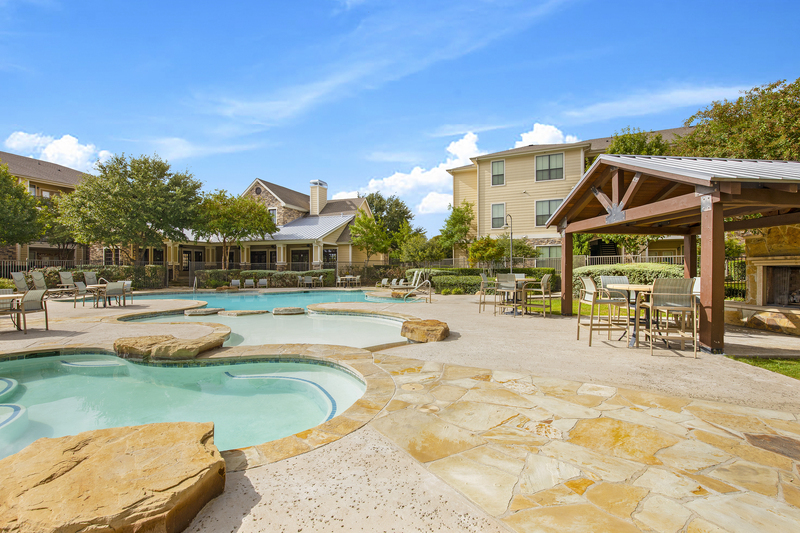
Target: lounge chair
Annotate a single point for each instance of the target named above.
(357, 282)
(393, 284)
(19, 282)
(236, 283)
(6, 305)
(594, 297)
(671, 297)
(415, 282)
(80, 290)
(32, 302)
(40, 285)
(263, 282)
(128, 286)
(249, 284)
(66, 280)
(384, 283)
(90, 278)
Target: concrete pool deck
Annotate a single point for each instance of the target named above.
(513, 425)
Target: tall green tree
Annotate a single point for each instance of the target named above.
(369, 235)
(418, 249)
(457, 226)
(132, 203)
(486, 251)
(392, 212)
(19, 216)
(56, 233)
(231, 219)
(763, 123)
(521, 247)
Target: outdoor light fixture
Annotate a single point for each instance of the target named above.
(510, 227)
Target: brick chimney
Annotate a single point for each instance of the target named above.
(319, 196)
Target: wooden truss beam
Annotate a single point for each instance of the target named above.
(763, 222)
(633, 189)
(635, 214)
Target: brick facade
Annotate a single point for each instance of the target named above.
(285, 214)
(8, 253)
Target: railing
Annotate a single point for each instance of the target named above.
(299, 266)
(735, 277)
(143, 279)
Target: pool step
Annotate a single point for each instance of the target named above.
(8, 387)
(322, 396)
(95, 367)
(13, 422)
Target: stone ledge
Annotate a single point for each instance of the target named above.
(117, 479)
(243, 312)
(425, 330)
(288, 311)
(203, 311)
(167, 346)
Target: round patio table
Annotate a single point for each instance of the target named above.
(635, 288)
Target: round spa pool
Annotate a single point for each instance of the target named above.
(249, 403)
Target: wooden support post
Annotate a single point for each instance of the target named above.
(689, 256)
(617, 186)
(566, 274)
(712, 284)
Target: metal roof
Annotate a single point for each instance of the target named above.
(712, 169)
(28, 167)
(310, 228)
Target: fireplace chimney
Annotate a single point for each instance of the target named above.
(319, 196)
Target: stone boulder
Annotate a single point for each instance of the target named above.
(288, 311)
(166, 346)
(203, 311)
(139, 346)
(227, 288)
(244, 312)
(131, 479)
(425, 330)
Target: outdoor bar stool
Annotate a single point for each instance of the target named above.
(482, 292)
(605, 281)
(537, 295)
(671, 298)
(505, 294)
(596, 298)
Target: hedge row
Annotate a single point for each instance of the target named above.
(638, 273)
(210, 279)
(469, 284)
(537, 273)
(142, 276)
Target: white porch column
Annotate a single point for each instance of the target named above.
(281, 264)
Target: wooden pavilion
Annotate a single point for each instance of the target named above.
(689, 196)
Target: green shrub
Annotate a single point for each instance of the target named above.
(457, 290)
(215, 275)
(638, 273)
(468, 284)
(142, 276)
(213, 284)
(7, 284)
(217, 278)
(444, 292)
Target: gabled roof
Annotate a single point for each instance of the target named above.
(288, 197)
(346, 206)
(28, 167)
(344, 237)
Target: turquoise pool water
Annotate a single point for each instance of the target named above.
(269, 301)
(248, 403)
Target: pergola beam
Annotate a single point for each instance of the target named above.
(766, 197)
(633, 188)
(763, 222)
(588, 196)
(634, 214)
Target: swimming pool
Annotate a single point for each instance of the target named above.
(249, 330)
(249, 403)
(249, 300)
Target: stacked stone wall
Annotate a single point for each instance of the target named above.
(284, 214)
(776, 241)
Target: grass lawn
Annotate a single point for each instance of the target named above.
(787, 367)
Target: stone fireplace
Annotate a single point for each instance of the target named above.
(776, 281)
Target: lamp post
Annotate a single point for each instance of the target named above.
(510, 227)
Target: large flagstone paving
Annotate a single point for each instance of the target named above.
(531, 452)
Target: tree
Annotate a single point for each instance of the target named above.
(521, 247)
(485, 250)
(393, 213)
(457, 226)
(19, 217)
(763, 123)
(55, 232)
(418, 249)
(369, 235)
(633, 141)
(231, 219)
(132, 204)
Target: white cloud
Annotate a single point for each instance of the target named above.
(654, 102)
(449, 130)
(65, 151)
(545, 134)
(435, 202)
(172, 148)
(428, 186)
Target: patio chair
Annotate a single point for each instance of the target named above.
(596, 298)
(393, 284)
(357, 281)
(19, 282)
(384, 283)
(6, 305)
(113, 289)
(90, 278)
(263, 282)
(340, 281)
(80, 290)
(40, 285)
(236, 283)
(320, 281)
(537, 295)
(605, 281)
(299, 280)
(32, 302)
(505, 294)
(671, 297)
(128, 286)
(66, 279)
(249, 284)
(308, 281)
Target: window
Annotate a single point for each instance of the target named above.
(45, 194)
(274, 212)
(498, 173)
(544, 209)
(550, 167)
(498, 215)
(549, 252)
(32, 190)
(329, 255)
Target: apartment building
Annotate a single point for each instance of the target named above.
(522, 187)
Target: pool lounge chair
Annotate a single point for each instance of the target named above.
(6, 305)
(128, 286)
(90, 278)
(249, 284)
(263, 282)
(114, 289)
(81, 291)
(384, 283)
(32, 302)
(236, 283)
(66, 280)
(40, 285)
(19, 282)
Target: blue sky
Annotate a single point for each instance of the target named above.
(366, 94)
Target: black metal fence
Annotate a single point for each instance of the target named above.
(735, 277)
(144, 275)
